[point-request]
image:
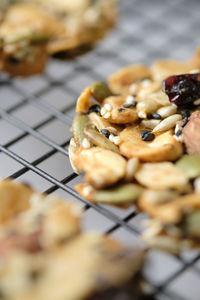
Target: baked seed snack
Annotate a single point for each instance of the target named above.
(137, 140)
(32, 30)
(45, 255)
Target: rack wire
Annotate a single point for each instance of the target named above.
(36, 115)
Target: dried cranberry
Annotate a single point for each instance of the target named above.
(182, 89)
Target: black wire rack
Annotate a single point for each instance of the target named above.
(36, 115)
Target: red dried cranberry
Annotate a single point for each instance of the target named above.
(182, 89)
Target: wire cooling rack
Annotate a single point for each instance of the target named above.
(36, 115)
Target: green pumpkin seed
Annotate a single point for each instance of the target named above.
(78, 126)
(33, 37)
(119, 195)
(189, 165)
(1, 43)
(100, 140)
(192, 223)
(100, 91)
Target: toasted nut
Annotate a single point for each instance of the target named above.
(167, 123)
(170, 212)
(100, 91)
(189, 165)
(119, 195)
(191, 133)
(161, 69)
(192, 224)
(167, 111)
(100, 140)
(131, 168)
(119, 114)
(84, 101)
(161, 176)
(144, 107)
(163, 147)
(85, 143)
(78, 126)
(102, 167)
(121, 81)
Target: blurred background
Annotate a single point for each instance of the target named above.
(36, 115)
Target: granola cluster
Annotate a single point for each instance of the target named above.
(32, 30)
(45, 255)
(137, 140)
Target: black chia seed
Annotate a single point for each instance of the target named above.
(147, 136)
(156, 116)
(105, 132)
(95, 108)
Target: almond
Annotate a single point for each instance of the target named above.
(191, 134)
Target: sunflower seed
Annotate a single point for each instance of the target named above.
(167, 111)
(100, 140)
(167, 123)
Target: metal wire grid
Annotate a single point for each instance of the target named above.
(36, 114)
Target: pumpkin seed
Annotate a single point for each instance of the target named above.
(33, 37)
(100, 140)
(122, 194)
(100, 91)
(79, 123)
(192, 223)
(189, 165)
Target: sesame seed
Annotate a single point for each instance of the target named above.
(179, 132)
(103, 111)
(177, 128)
(107, 115)
(72, 143)
(156, 116)
(130, 105)
(186, 113)
(86, 143)
(142, 115)
(146, 82)
(133, 88)
(111, 136)
(105, 132)
(108, 107)
(87, 190)
(178, 138)
(116, 140)
(184, 122)
(129, 99)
